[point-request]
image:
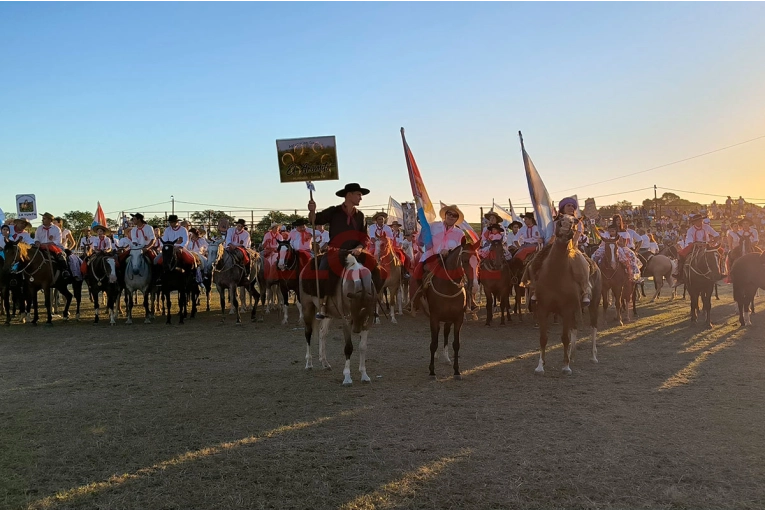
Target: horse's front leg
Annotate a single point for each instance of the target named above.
(323, 332)
(236, 304)
(456, 347)
(222, 296)
(434, 328)
(347, 381)
(542, 319)
(566, 339)
(445, 351)
(48, 306)
(363, 356)
(168, 305)
(285, 301)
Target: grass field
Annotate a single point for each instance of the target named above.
(213, 416)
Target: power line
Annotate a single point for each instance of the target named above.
(665, 165)
(137, 208)
(711, 194)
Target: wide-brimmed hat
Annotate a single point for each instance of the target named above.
(614, 226)
(106, 230)
(300, 222)
(21, 221)
(137, 216)
(530, 216)
(742, 220)
(396, 223)
(240, 221)
(274, 224)
(452, 208)
(515, 222)
(497, 226)
(194, 231)
(568, 200)
(350, 188)
(172, 217)
(47, 215)
(380, 214)
(695, 217)
(491, 214)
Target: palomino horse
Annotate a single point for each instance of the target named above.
(138, 277)
(38, 273)
(288, 268)
(178, 275)
(444, 291)
(228, 272)
(493, 274)
(557, 292)
(701, 272)
(352, 301)
(660, 267)
(616, 279)
(391, 274)
(747, 275)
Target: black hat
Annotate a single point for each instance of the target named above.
(497, 226)
(489, 214)
(172, 217)
(300, 222)
(350, 188)
(194, 231)
(515, 222)
(137, 216)
(529, 215)
(695, 217)
(240, 221)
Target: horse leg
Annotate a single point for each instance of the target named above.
(542, 319)
(129, 305)
(96, 304)
(377, 310)
(456, 347)
(286, 301)
(299, 307)
(658, 283)
(363, 356)
(392, 307)
(566, 337)
(323, 332)
(489, 305)
(48, 306)
(112, 300)
(434, 327)
(694, 306)
(716, 296)
(347, 381)
(68, 297)
(222, 296)
(743, 312)
(707, 301)
(168, 305)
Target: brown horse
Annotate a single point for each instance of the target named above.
(494, 275)
(701, 271)
(470, 263)
(747, 275)
(557, 292)
(392, 275)
(744, 246)
(444, 292)
(616, 279)
(515, 268)
(38, 272)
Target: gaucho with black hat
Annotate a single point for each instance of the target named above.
(347, 232)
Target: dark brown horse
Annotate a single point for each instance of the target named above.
(515, 269)
(558, 293)
(444, 292)
(494, 275)
(102, 277)
(701, 271)
(38, 273)
(747, 275)
(616, 279)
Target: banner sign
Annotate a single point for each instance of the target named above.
(26, 207)
(409, 213)
(590, 210)
(307, 159)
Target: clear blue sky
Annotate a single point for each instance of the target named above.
(129, 103)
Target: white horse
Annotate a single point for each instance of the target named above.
(352, 301)
(138, 278)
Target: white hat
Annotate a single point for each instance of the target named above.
(707, 221)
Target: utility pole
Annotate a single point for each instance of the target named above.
(172, 199)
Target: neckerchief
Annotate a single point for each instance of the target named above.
(350, 216)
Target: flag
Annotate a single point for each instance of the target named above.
(540, 198)
(471, 235)
(425, 211)
(507, 216)
(395, 211)
(99, 218)
(512, 212)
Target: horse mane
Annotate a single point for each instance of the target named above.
(23, 249)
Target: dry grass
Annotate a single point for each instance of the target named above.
(208, 416)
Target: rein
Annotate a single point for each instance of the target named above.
(459, 285)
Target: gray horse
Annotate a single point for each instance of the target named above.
(229, 273)
(138, 277)
(660, 267)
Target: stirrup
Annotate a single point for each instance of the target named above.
(320, 315)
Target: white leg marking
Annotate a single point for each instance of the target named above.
(594, 337)
(363, 357)
(284, 311)
(445, 356)
(377, 313)
(308, 358)
(323, 332)
(572, 345)
(747, 316)
(299, 306)
(540, 366)
(347, 381)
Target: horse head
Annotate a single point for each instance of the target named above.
(566, 228)
(169, 257)
(382, 248)
(136, 259)
(285, 255)
(357, 287)
(450, 267)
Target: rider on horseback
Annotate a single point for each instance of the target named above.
(270, 243)
(530, 238)
(378, 230)
(513, 238)
(300, 240)
(238, 240)
(19, 233)
(48, 238)
(699, 232)
(346, 232)
(179, 236)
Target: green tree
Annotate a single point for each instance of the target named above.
(77, 221)
(209, 218)
(156, 221)
(669, 197)
(10, 216)
(264, 224)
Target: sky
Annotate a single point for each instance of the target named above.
(132, 103)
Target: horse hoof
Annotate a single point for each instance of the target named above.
(48, 324)
(433, 377)
(147, 321)
(347, 384)
(539, 371)
(365, 379)
(566, 371)
(457, 377)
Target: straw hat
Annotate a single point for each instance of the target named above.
(21, 222)
(380, 214)
(453, 208)
(106, 230)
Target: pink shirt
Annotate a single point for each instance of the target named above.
(271, 241)
(443, 239)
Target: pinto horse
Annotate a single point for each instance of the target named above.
(616, 279)
(288, 268)
(493, 274)
(38, 273)
(352, 301)
(391, 274)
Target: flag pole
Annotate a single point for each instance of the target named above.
(314, 244)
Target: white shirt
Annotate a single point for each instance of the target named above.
(298, 242)
(22, 236)
(645, 241)
(173, 233)
(99, 244)
(443, 239)
(65, 234)
(49, 234)
(514, 239)
(142, 236)
(529, 235)
(321, 237)
(199, 246)
(374, 231)
(122, 242)
(700, 235)
(234, 238)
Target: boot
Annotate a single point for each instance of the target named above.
(322, 313)
(63, 266)
(679, 276)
